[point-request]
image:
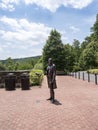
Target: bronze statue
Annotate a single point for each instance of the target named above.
(51, 75)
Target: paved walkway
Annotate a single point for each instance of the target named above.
(76, 107)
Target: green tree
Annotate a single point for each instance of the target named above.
(76, 53)
(85, 42)
(94, 29)
(54, 48)
(2, 67)
(16, 66)
(10, 65)
(69, 57)
(24, 66)
(76, 50)
(89, 57)
(31, 62)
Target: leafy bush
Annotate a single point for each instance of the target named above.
(36, 77)
(76, 68)
(38, 66)
(93, 71)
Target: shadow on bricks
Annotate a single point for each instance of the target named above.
(57, 102)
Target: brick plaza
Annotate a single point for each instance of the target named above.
(75, 108)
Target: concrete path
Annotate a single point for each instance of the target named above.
(76, 107)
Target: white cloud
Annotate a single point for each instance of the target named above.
(20, 34)
(79, 4)
(1, 50)
(19, 37)
(74, 29)
(51, 5)
(8, 4)
(22, 31)
(64, 36)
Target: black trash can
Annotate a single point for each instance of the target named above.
(25, 85)
(10, 81)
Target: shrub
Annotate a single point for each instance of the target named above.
(93, 71)
(38, 66)
(36, 77)
(76, 68)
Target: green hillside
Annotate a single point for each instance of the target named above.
(25, 59)
(26, 63)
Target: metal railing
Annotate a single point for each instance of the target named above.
(85, 76)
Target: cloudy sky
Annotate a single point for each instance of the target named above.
(26, 24)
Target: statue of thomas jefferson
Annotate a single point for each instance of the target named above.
(51, 75)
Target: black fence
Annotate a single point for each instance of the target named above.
(85, 76)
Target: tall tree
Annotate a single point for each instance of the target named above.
(10, 64)
(76, 49)
(69, 57)
(89, 57)
(54, 48)
(2, 67)
(94, 29)
(85, 43)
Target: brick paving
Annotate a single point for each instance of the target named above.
(76, 107)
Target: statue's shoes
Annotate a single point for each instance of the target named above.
(49, 99)
(52, 100)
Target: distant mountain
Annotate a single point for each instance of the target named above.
(35, 58)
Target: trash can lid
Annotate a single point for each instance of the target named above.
(10, 75)
(24, 74)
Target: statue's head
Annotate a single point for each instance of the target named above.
(50, 61)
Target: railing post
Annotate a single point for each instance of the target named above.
(79, 75)
(83, 75)
(88, 77)
(75, 75)
(95, 78)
